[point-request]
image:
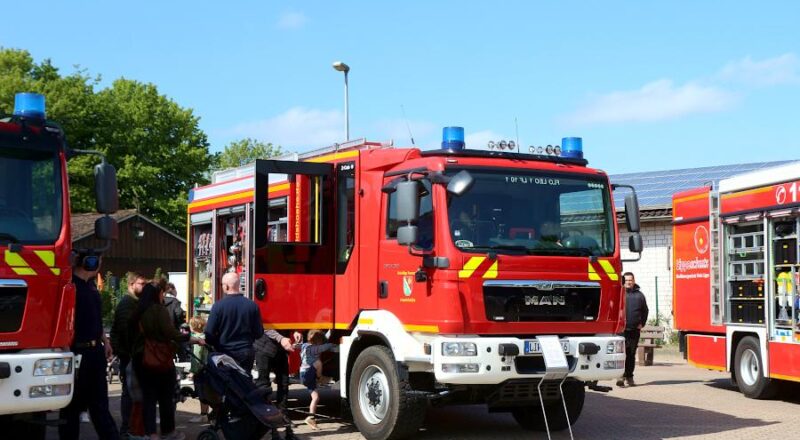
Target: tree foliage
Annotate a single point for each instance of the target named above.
(245, 151)
(155, 144)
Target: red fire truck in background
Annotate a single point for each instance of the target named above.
(439, 271)
(37, 297)
(736, 277)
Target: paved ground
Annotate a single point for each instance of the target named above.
(674, 400)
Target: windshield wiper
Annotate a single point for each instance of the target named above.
(586, 252)
(500, 247)
(5, 236)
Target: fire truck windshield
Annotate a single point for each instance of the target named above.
(30, 196)
(533, 213)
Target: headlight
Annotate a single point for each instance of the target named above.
(459, 349)
(615, 347)
(460, 368)
(49, 390)
(52, 367)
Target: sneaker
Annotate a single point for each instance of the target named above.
(174, 435)
(621, 383)
(85, 417)
(312, 422)
(630, 382)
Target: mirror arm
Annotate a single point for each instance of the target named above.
(632, 260)
(74, 151)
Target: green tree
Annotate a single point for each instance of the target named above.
(244, 151)
(155, 144)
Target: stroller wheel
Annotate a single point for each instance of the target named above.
(208, 434)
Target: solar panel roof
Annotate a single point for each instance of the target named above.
(655, 188)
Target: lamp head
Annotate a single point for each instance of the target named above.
(341, 67)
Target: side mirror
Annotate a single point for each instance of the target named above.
(460, 183)
(105, 187)
(408, 201)
(635, 243)
(632, 213)
(106, 228)
(407, 235)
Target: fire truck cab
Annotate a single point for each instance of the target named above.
(440, 272)
(736, 276)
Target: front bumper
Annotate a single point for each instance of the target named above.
(492, 368)
(15, 390)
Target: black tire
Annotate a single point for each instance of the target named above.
(749, 368)
(391, 410)
(208, 434)
(530, 417)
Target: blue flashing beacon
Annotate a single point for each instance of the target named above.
(29, 105)
(572, 147)
(453, 138)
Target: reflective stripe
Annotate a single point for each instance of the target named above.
(593, 274)
(470, 267)
(49, 258)
(18, 264)
(492, 272)
(612, 274)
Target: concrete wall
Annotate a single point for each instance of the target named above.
(654, 267)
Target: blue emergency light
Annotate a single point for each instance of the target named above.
(453, 138)
(572, 147)
(29, 105)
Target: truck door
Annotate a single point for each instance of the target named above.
(293, 240)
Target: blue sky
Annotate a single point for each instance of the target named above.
(648, 85)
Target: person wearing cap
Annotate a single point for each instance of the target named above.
(94, 349)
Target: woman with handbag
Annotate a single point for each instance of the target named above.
(155, 340)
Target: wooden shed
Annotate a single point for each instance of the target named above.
(143, 245)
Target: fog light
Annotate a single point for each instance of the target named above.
(459, 349)
(52, 367)
(460, 368)
(614, 365)
(615, 347)
(50, 390)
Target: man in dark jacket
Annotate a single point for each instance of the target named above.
(120, 341)
(234, 324)
(636, 312)
(173, 305)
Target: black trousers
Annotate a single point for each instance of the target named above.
(91, 393)
(245, 358)
(277, 363)
(125, 403)
(631, 344)
(157, 388)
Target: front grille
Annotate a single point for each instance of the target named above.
(521, 392)
(535, 364)
(551, 301)
(13, 295)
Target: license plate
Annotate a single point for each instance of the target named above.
(532, 347)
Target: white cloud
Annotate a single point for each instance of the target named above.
(297, 129)
(655, 101)
(292, 20)
(783, 69)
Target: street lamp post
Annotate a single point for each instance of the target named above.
(342, 67)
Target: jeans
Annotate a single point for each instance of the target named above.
(631, 343)
(91, 392)
(245, 358)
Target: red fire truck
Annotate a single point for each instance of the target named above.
(736, 277)
(37, 297)
(439, 271)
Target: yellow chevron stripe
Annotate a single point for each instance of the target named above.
(470, 267)
(492, 272)
(593, 274)
(612, 274)
(18, 264)
(49, 258)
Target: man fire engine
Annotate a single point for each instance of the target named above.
(450, 276)
(736, 277)
(37, 297)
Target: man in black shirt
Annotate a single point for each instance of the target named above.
(636, 312)
(91, 344)
(234, 324)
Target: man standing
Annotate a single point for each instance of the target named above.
(121, 342)
(636, 312)
(272, 351)
(94, 349)
(234, 324)
(173, 305)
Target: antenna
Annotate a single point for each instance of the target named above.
(516, 128)
(407, 126)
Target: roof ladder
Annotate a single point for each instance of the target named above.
(716, 266)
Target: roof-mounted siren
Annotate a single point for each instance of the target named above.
(453, 139)
(29, 105)
(572, 147)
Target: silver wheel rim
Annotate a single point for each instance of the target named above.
(373, 394)
(748, 366)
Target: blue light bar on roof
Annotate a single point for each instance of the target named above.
(453, 138)
(572, 147)
(29, 105)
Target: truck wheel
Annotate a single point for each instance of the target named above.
(380, 401)
(530, 417)
(750, 371)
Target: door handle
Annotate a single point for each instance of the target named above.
(261, 289)
(383, 289)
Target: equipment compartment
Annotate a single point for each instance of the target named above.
(747, 289)
(747, 312)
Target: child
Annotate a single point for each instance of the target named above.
(198, 326)
(311, 369)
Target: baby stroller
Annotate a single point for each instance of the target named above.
(241, 410)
